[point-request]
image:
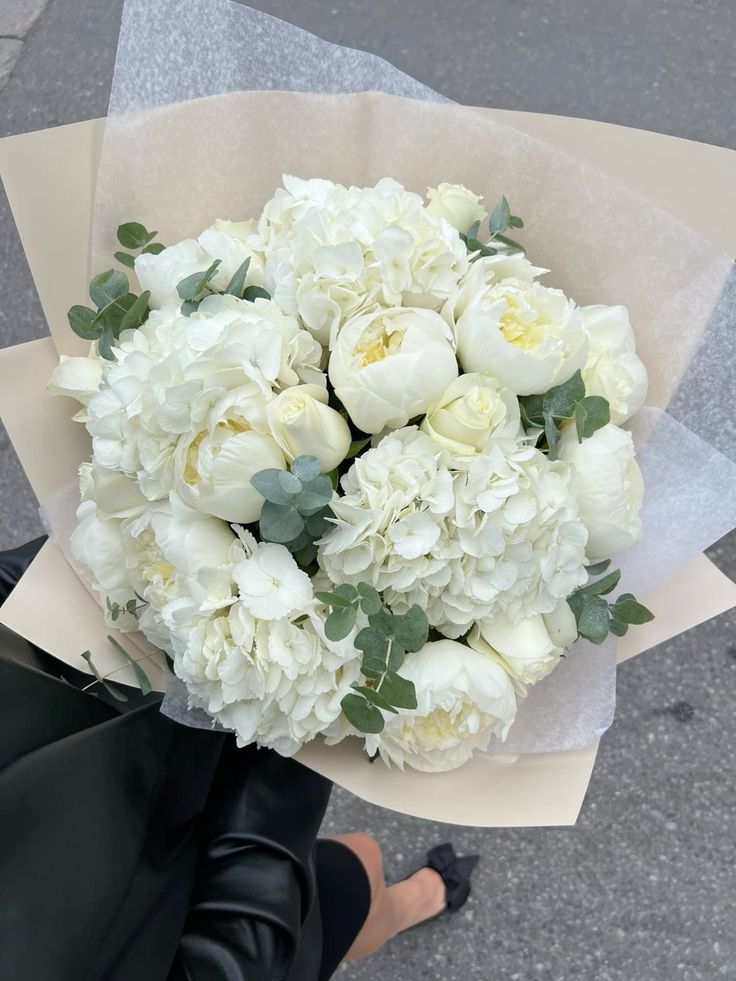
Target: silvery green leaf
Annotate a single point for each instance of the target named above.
(598, 567)
(361, 714)
(190, 287)
(315, 495)
(112, 690)
(137, 312)
(339, 623)
(560, 401)
(252, 293)
(601, 586)
(153, 249)
(82, 322)
(306, 467)
(372, 643)
(399, 691)
(105, 343)
(267, 482)
(500, 215)
(627, 609)
(133, 235)
(107, 286)
(591, 414)
(593, 622)
(290, 484)
(370, 601)
(347, 590)
(140, 675)
(280, 523)
(317, 524)
(375, 696)
(333, 598)
(236, 286)
(125, 259)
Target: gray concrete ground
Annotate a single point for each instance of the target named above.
(643, 889)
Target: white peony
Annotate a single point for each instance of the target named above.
(528, 336)
(473, 410)
(613, 370)
(301, 422)
(611, 487)
(391, 365)
(463, 699)
(528, 650)
(459, 206)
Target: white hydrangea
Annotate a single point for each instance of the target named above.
(180, 386)
(461, 538)
(332, 251)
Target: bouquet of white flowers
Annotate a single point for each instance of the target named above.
(353, 460)
(351, 465)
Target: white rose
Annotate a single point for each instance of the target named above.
(162, 273)
(530, 337)
(456, 204)
(301, 422)
(391, 365)
(528, 650)
(77, 378)
(613, 369)
(463, 698)
(214, 462)
(610, 487)
(472, 410)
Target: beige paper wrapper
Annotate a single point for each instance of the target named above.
(539, 789)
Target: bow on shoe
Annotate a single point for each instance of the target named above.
(455, 872)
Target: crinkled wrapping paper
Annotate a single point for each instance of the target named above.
(177, 164)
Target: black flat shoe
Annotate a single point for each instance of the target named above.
(455, 871)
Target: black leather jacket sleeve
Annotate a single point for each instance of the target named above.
(254, 886)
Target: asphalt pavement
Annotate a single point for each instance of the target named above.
(643, 888)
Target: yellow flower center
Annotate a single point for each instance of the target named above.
(520, 325)
(379, 341)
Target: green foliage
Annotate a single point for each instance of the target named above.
(296, 509)
(107, 286)
(252, 293)
(112, 690)
(194, 287)
(383, 644)
(136, 237)
(236, 286)
(140, 675)
(543, 414)
(595, 616)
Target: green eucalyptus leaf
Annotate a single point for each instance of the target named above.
(137, 313)
(280, 523)
(108, 286)
(472, 232)
(370, 600)
(141, 677)
(315, 495)
(515, 222)
(627, 609)
(376, 697)
(133, 235)
(509, 242)
(398, 691)
(116, 693)
(82, 322)
(593, 622)
(499, 220)
(339, 623)
(155, 248)
(560, 402)
(318, 524)
(412, 629)
(372, 643)
(618, 627)
(112, 315)
(290, 484)
(252, 293)
(190, 287)
(306, 468)
(474, 245)
(347, 591)
(601, 586)
(532, 411)
(125, 259)
(361, 714)
(356, 446)
(591, 414)
(396, 655)
(305, 556)
(268, 483)
(598, 567)
(105, 343)
(236, 286)
(333, 599)
(189, 307)
(553, 435)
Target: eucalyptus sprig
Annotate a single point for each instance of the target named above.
(136, 237)
(113, 690)
(500, 221)
(542, 414)
(117, 309)
(296, 509)
(595, 616)
(193, 289)
(384, 643)
(116, 609)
